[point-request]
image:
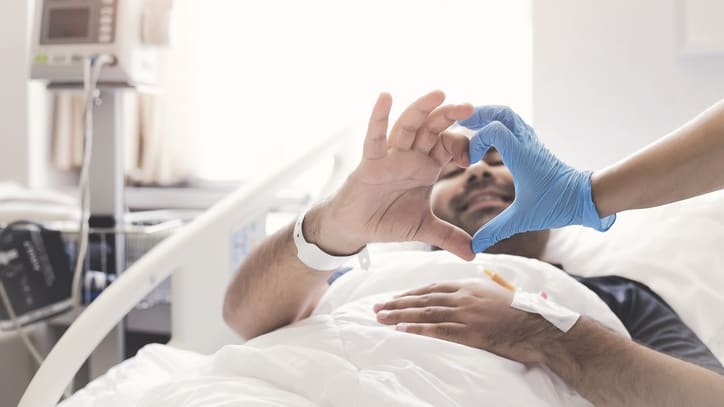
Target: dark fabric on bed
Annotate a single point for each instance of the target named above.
(337, 274)
(650, 320)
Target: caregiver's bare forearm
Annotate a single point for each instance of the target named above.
(686, 163)
(272, 288)
(611, 370)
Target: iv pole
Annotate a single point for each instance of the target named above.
(107, 199)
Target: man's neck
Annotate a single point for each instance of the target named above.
(529, 244)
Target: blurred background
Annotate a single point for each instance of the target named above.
(246, 82)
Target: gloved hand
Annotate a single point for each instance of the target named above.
(548, 192)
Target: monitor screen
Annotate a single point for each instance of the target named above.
(67, 23)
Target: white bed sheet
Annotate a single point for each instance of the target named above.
(342, 357)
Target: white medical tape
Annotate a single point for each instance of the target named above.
(561, 317)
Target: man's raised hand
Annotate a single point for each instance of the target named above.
(387, 197)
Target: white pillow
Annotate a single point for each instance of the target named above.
(677, 250)
(18, 203)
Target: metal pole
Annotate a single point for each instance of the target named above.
(107, 198)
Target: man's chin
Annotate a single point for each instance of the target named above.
(477, 219)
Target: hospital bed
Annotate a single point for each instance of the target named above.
(676, 250)
(201, 259)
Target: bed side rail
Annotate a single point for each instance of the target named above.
(182, 253)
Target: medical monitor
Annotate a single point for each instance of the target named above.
(68, 32)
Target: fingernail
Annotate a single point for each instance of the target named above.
(378, 307)
(383, 314)
(402, 327)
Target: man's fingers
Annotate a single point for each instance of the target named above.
(419, 315)
(419, 301)
(405, 129)
(449, 331)
(440, 287)
(375, 145)
(445, 236)
(452, 145)
(439, 120)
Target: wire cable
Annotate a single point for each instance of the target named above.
(8, 305)
(19, 328)
(91, 73)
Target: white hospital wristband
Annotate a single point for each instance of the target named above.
(315, 258)
(561, 317)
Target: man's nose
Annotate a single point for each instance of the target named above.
(478, 172)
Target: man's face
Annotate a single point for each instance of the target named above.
(471, 197)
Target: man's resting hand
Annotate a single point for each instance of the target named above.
(474, 313)
(605, 367)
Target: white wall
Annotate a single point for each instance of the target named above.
(257, 80)
(608, 77)
(14, 144)
(276, 74)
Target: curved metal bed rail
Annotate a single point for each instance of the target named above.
(165, 259)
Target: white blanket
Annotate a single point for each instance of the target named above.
(342, 357)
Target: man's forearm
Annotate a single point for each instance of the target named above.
(272, 288)
(610, 370)
(385, 199)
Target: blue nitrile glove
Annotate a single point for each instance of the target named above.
(548, 192)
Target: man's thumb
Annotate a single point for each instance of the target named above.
(447, 237)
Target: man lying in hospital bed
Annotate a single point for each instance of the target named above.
(344, 354)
